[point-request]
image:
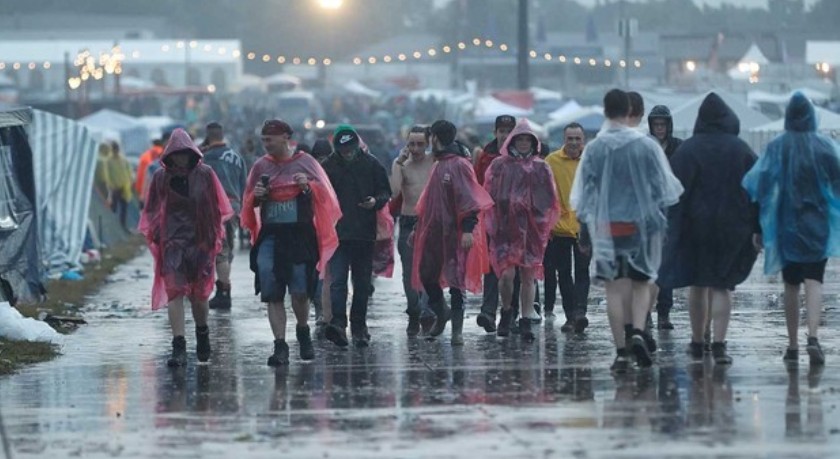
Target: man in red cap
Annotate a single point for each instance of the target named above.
(294, 236)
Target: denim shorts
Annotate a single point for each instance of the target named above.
(273, 287)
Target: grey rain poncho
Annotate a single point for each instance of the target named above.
(620, 191)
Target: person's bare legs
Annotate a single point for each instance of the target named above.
(619, 294)
(175, 309)
(791, 301)
(200, 311)
(506, 288)
(640, 303)
(300, 306)
(813, 306)
(721, 300)
(277, 319)
(526, 292)
(223, 271)
(698, 309)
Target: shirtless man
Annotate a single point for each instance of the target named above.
(409, 175)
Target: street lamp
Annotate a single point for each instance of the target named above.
(331, 4)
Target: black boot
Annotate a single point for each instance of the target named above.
(720, 355)
(457, 327)
(663, 321)
(336, 334)
(413, 328)
(487, 322)
(202, 343)
(280, 357)
(307, 352)
(505, 318)
(178, 358)
(222, 298)
(443, 314)
(427, 322)
(525, 330)
(361, 337)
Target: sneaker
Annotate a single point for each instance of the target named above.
(222, 298)
(649, 342)
(307, 352)
(202, 343)
(178, 358)
(720, 355)
(487, 322)
(567, 327)
(535, 316)
(413, 328)
(361, 337)
(640, 349)
(337, 335)
(695, 350)
(280, 357)
(621, 363)
(791, 356)
(815, 352)
(580, 324)
(663, 322)
(320, 329)
(525, 330)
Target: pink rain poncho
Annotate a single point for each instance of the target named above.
(383, 249)
(183, 225)
(451, 194)
(282, 187)
(526, 207)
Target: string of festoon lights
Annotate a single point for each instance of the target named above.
(111, 61)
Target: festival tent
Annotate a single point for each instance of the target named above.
(20, 259)
(826, 121)
(64, 153)
(487, 108)
(108, 124)
(685, 115)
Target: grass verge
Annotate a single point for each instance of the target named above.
(65, 298)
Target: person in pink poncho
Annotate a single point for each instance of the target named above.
(520, 223)
(183, 224)
(291, 210)
(449, 243)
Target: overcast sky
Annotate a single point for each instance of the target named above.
(749, 3)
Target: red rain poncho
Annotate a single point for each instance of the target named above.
(383, 249)
(451, 194)
(184, 233)
(282, 187)
(526, 209)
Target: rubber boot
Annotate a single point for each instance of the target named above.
(202, 343)
(457, 327)
(222, 298)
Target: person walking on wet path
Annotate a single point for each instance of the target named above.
(796, 184)
(409, 175)
(291, 210)
(183, 223)
(621, 188)
(449, 244)
(362, 186)
(567, 239)
(230, 169)
(710, 231)
(519, 224)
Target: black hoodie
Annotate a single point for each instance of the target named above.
(662, 112)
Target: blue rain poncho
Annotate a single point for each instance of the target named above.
(797, 186)
(709, 242)
(620, 191)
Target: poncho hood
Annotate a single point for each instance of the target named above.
(800, 115)
(180, 141)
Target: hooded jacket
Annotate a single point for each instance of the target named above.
(563, 169)
(353, 181)
(662, 112)
(526, 207)
(183, 224)
(488, 154)
(710, 230)
(796, 184)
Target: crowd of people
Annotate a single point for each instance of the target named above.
(645, 211)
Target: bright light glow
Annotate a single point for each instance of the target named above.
(477, 41)
(357, 60)
(371, 60)
(281, 59)
(607, 63)
(753, 79)
(236, 53)
(211, 88)
(622, 63)
(47, 65)
(824, 67)
(330, 4)
(577, 61)
(311, 61)
(593, 62)
(417, 55)
(2, 65)
(252, 56)
(488, 43)
(462, 45)
(562, 59)
(327, 61)
(386, 59)
(547, 56)
(74, 82)
(447, 49)
(296, 61)
(402, 57)
(193, 44)
(320, 124)
(533, 54)
(266, 58)
(16, 66)
(503, 47)
(32, 66)
(432, 52)
(754, 67)
(691, 66)
(637, 64)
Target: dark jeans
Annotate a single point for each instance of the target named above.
(558, 270)
(119, 206)
(430, 270)
(414, 297)
(356, 257)
(665, 301)
(490, 295)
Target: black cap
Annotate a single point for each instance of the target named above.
(276, 127)
(505, 121)
(345, 137)
(213, 125)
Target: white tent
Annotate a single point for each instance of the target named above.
(283, 82)
(593, 116)
(685, 116)
(826, 121)
(487, 108)
(570, 107)
(155, 125)
(359, 89)
(64, 158)
(133, 135)
(750, 63)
